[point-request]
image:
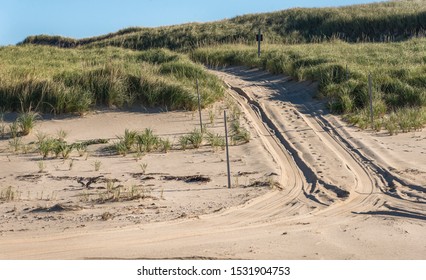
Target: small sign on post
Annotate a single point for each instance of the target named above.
(259, 38)
(227, 150)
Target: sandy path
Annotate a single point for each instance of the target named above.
(336, 202)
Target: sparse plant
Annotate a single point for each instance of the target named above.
(26, 148)
(8, 194)
(81, 149)
(377, 125)
(183, 142)
(196, 138)
(138, 156)
(46, 146)
(212, 116)
(14, 129)
(2, 126)
(216, 141)
(97, 164)
(238, 133)
(165, 145)
(391, 124)
(62, 134)
(15, 143)
(147, 141)
(66, 151)
(121, 148)
(27, 122)
(41, 136)
(41, 166)
(143, 167)
(57, 147)
(129, 138)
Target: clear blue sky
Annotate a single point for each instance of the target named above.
(86, 18)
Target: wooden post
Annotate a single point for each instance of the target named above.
(259, 39)
(227, 150)
(199, 107)
(370, 90)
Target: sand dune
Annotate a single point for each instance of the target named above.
(342, 194)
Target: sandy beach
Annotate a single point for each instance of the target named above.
(306, 186)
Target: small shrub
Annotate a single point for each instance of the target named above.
(183, 142)
(46, 146)
(129, 138)
(165, 145)
(121, 148)
(195, 138)
(27, 122)
(377, 125)
(216, 141)
(66, 151)
(147, 141)
(391, 124)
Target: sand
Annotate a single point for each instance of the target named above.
(330, 190)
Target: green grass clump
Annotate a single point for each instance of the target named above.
(53, 80)
(195, 138)
(216, 141)
(27, 121)
(147, 141)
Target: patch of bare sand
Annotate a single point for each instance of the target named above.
(169, 187)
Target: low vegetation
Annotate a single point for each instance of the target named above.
(379, 22)
(52, 80)
(341, 70)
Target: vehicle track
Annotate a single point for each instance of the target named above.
(306, 201)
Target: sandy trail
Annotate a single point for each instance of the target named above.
(337, 201)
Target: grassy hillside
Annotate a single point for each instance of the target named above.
(379, 22)
(398, 72)
(49, 79)
(319, 46)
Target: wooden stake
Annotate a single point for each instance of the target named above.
(199, 107)
(227, 150)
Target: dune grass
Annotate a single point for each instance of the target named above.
(53, 80)
(398, 73)
(379, 22)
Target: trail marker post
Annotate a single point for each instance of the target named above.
(199, 107)
(259, 38)
(370, 90)
(227, 150)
